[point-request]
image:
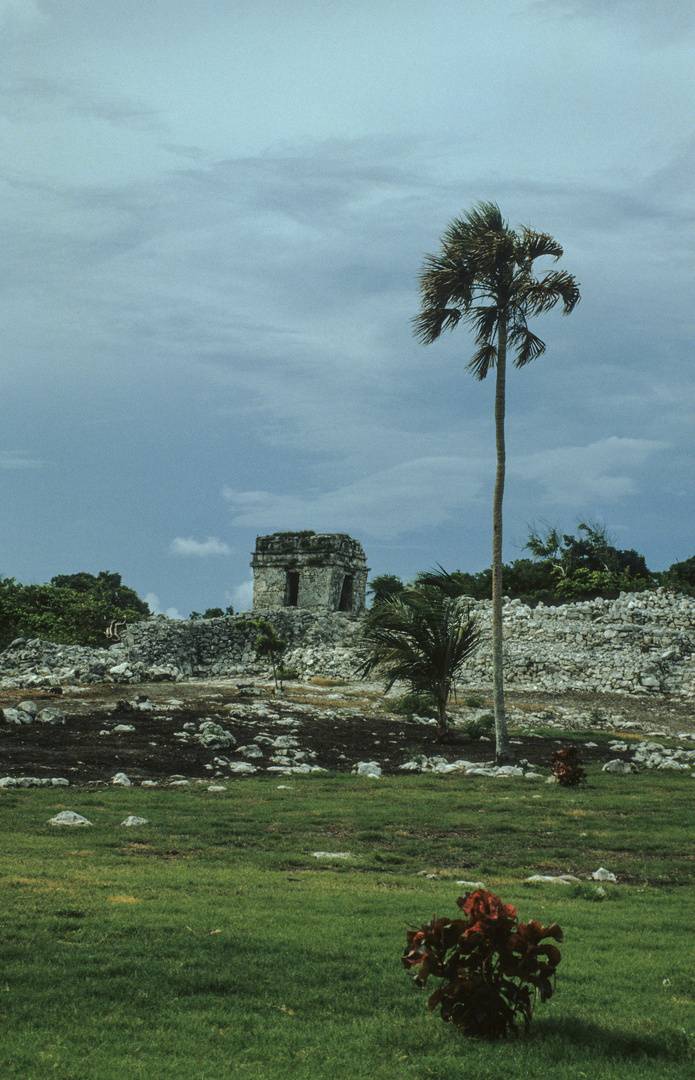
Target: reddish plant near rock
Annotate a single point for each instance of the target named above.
(493, 967)
(566, 767)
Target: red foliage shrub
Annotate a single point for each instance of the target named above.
(493, 967)
(566, 767)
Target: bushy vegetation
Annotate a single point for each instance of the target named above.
(562, 567)
(73, 609)
(211, 613)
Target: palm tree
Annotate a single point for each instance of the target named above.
(420, 636)
(484, 276)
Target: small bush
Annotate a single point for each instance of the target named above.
(410, 705)
(493, 967)
(474, 701)
(482, 725)
(566, 767)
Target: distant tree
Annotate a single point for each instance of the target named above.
(680, 575)
(421, 637)
(384, 587)
(270, 647)
(71, 609)
(588, 564)
(483, 276)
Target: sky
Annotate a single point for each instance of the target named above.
(213, 218)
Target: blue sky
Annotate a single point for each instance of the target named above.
(213, 219)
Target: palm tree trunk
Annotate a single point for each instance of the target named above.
(502, 746)
(442, 698)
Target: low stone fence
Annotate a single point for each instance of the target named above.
(639, 643)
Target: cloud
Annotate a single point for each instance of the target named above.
(152, 600)
(200, 549)
(17, 461)
(417, 494)
(574, 475)
(242, 596)
(426, 493)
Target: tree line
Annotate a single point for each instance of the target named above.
(562, 567)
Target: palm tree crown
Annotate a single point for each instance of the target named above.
(484, 275)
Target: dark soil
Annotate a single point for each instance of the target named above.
(341, 725)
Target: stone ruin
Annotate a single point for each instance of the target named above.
(313, 571)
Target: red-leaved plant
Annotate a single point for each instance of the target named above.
(493, 966)
(566, 767)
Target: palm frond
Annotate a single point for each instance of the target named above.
(528, 346)
(542, 294)
(481, 361)
(535, 245)
(422, 637)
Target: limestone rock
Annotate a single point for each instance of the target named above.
(69, 817)
(368, 768)
(617, 765)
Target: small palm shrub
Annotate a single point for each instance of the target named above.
(566, 767)
(492, 966)
(481, 725)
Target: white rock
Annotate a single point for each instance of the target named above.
(603, 875)
(243, 767)
(619, 766)
(250, 751)
(563, 879)
(29, 707)
(120, 780)
(69, 817)
(133, 820)
(7, 781)
(124, 727)
(472, 885)
(331, 855)
(216, 787)
(51, 715)
(368, 768)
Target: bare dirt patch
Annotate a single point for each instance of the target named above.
(336, 726)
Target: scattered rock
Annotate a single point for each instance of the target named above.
(618, 766)
(368, 768)
(69, 817)
(603, 875)
(133, 820)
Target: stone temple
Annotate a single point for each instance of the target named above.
(315, 571)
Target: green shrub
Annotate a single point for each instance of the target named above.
(481, 725)
(410, 705)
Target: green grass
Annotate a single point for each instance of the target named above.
(211, 943)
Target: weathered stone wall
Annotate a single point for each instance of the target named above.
(312, 571)
(639, 643)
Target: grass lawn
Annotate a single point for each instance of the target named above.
(212, 943)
